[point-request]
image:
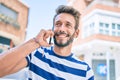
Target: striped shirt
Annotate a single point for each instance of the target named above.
(51, 66)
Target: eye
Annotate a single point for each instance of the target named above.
(57, 24)
(68, 25)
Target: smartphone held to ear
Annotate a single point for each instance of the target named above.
(50, 40)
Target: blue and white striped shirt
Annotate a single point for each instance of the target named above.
(54, 67)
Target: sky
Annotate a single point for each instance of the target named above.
(41, 14)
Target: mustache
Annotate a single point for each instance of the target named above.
(59, 33)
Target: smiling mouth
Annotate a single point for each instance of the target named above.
(62, 34)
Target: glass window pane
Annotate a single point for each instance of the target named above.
(91, 25)
(8, 12)
(106, 25)
(113, 33)
(106, 31)
(4, 40)
(101, 30)
(100, 69)
(118, 26)
(118, 33)
(1, 50)
(101, 24)
(113, 26)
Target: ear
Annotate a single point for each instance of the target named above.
(76, 33)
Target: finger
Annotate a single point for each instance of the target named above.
(47, 44)
(51, 33)
(48, 34)
(42, 32)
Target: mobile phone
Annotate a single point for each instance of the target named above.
(50, 40)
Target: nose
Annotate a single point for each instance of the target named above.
(62, 27)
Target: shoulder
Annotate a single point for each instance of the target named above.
(86, 67)
(42, 50)
(82, 64)
(76, 60)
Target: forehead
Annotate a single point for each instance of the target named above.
(65, 17)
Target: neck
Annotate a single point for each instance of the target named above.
(62, 51)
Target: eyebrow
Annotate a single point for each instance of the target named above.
(70, 23)
(58, 21)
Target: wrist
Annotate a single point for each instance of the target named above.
(37, 41)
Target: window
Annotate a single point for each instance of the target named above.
(88, 29)
(8, 12)
(92, 25)
(106, 25)
(107, 29)
(113, 25)
(101, 31)
(1, 50)
(100, 69)
(118, 33)
(4, 40)
(118, 26)
(107, 32)
(104, 28)
(113, 33)
(8, 16)
(101, 24)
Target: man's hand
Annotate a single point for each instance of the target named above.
(42, 37)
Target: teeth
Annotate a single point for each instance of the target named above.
(62, 35)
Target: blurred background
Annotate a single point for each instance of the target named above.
(99, 40)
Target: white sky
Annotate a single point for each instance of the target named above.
(41, 14)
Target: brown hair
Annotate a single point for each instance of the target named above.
(69, 10)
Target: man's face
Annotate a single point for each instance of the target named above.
(64, 29)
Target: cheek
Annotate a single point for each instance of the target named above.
(71, 32)
(55, 29)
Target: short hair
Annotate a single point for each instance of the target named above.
(70, 10)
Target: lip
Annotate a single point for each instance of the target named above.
(62, 35)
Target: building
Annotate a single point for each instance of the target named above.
(99, 39)
(13, 24)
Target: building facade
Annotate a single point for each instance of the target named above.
(13, 24)
(99, 39)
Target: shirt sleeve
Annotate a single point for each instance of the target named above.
(28, 58)
(90, 74)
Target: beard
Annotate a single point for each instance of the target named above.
(60, 44)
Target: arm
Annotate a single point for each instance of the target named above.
(14, 59)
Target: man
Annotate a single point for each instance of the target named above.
(48, 62)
